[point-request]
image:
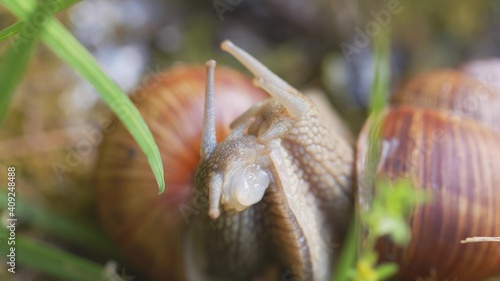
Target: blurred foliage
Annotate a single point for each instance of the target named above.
(389, 203)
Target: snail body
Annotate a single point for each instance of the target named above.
(280, 162)
(279, 189)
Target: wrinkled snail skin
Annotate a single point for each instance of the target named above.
(441, 131)
(301, 174)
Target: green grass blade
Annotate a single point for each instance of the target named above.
(65, 45)
(56, 262)
(13, 64)
(50, 260)
(378, 98)
(12, 68)
(11, 30)
(82, 234)
(54, 8)
(380, 86)
(348, 254)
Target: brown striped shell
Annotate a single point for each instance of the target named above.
(149, 228)
(455, 92)
(442, 132)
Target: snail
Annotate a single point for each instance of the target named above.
(278, 189)
(146, 226)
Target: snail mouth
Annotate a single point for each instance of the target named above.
(246, 179)
(245, 187)
(241, 176)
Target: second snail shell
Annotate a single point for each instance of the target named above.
(442, 133)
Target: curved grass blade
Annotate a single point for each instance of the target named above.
(11, 30)
(14, 61)
(55, 262)
(348, 254)
(54, 8)
(352, 248)
(65, 45)
(51, 261)
(83, 234)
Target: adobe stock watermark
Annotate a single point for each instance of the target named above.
(199, 203)
(35, 22)
(10, 219)
(75, 155)
(149, 83)
(363, 36)
(93, 137)
(407, 164)
(223, 6)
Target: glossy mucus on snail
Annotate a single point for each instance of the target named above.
(281, 182)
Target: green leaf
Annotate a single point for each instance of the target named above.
(386, 270)
(365, 268)
(65, 45)
(392, 204)
(396, 227)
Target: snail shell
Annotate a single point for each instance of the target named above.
(442, 132)
(149, 228)
(487, 71)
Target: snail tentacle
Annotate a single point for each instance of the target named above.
(214, 195)
(209, 138)
(252, 64)
(295, 103)
(287, 95)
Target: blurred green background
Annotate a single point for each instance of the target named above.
(322, 44)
